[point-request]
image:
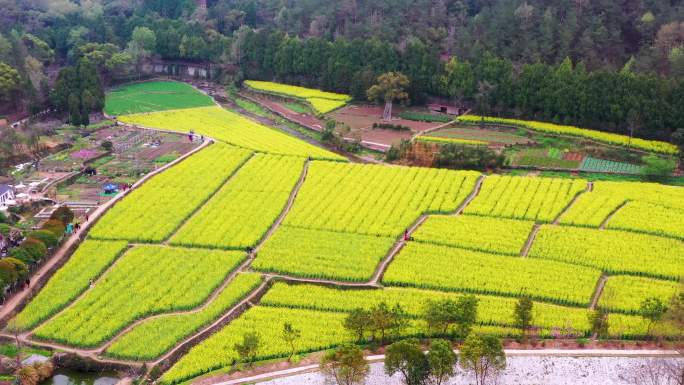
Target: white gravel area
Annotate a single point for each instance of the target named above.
(539, 371)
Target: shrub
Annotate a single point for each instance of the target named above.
(392, 154)
(422, 117)
(656, 168)
(27, 375)
(389, 126)
(107, 145)
(3, 217)
(54, 226)
(4, 229)
(44, 370)
(8, 272)
(11, 270)
(21, 254)
(47, 237)
(468, 157)
(63, 214)
(19, 266)
(35, 248)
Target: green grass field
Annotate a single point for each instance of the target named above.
(154, 96)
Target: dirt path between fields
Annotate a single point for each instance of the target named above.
(170, 357)
(174, 354)
(27, 334)
(472, 196)
(610, 216)
(600, 285)
(401, 242)
(590, 186)
(201, 205)
(530, 240)
(380, 271)
(206, 303)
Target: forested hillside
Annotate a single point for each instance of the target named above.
(611, 65)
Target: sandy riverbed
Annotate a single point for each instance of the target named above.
(538, 371)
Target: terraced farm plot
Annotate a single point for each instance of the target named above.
(540, 199)
(543, 158)
(322, 254)
(321, 101)
(451, 269)
(590, 164)
(152, 338)
(591, 210)
(491, 310)
(636, 327)
(296, 91)
(152, 212)
(89, 261)
(625, 294)
(443, 140)
(599, 136)
(154, 96)
(232, 128)
(594, 207)
(477, 134)
(320, 330)
(649, 218)
(245, 208)
(375, 200)
(323, 106)
(499, 236)
(613, 251)
(147, 280)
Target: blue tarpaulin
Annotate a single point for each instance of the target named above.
(110, 188)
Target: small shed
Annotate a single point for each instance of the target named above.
(446, 109)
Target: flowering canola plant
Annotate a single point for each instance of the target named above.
(321, 101)
(599, 136)
(147, 280)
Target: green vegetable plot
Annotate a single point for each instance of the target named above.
(154, 96)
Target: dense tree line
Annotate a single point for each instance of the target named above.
(79, 92)
(613, 65)
(619, 101)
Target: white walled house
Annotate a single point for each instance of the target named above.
(6, 195)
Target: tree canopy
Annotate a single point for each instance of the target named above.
(483, 355)
(389, 87)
